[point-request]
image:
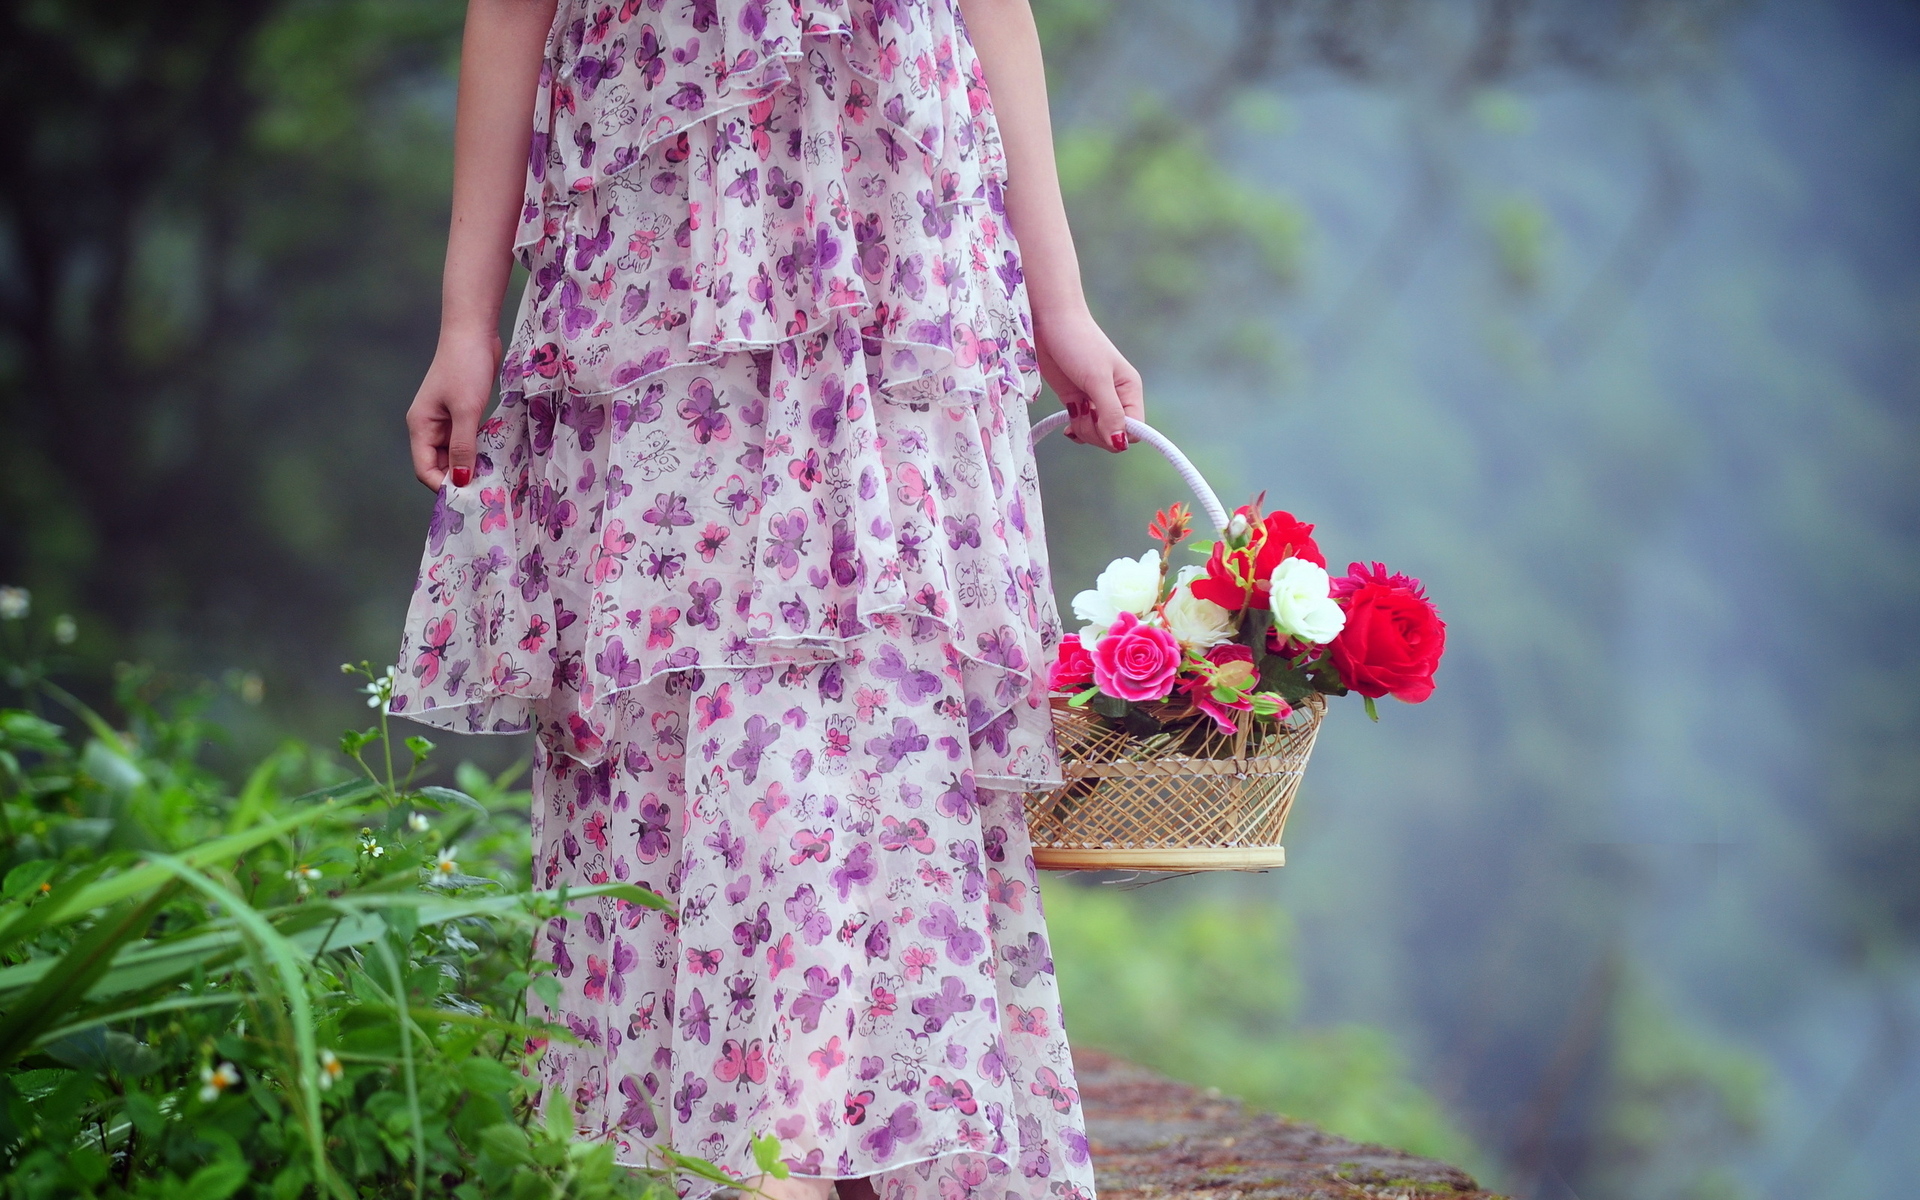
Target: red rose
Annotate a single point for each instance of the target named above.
(1234, 574)
(1073, 668)
(1135, 661)
(1394, 637)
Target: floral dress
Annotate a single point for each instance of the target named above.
(754, 545)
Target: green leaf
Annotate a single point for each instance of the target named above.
(766, 1156)
(1080, 700)
(1109, 706)
(447, 797)
(1373, 712)
(218, 1180)
(1279, 675)
(64, 986)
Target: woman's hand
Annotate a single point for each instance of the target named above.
(1097, 384)
(445, 415)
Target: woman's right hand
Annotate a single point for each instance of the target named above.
(445, 415)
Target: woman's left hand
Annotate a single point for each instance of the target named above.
(1093, 379)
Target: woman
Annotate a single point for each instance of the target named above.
(753, 542)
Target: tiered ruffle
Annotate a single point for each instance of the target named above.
(764, 406)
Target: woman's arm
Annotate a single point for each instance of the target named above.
(1098, 386)
(493, 123)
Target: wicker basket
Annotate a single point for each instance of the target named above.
(1198, 799)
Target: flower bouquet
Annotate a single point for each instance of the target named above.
(1256, 630)
(1188, 702)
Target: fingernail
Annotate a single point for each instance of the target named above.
(462, 476)
(1118, 441)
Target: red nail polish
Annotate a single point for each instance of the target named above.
(1118, 441)
(462, 476)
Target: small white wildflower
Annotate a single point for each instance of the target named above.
(331, 1071)
(381, 689)
(302, 875)
(65, 630)
(215, 1080)
(15, 603)
(446, 865)
(417, 822)
(370, 847)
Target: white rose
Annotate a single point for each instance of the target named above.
(1195, 622)
(1127, 585)
(1302, 606)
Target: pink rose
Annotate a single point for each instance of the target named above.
(1073, 669)
(1135, 661)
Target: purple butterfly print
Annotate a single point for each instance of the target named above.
(745, 186)
(669, 511)
(870, 247)
(625, 959)
(690, 98)
(575, 317)
(732, 850)
(1029, 960)
(689, 1093)
(811, 1003)
(638, 410)
(1011, 276)
(973, 881)
(638, 1113)
(902, 1127)
(755, 738)
(889, 749)
(826, 418)
(879, 941)
(584, 416)
(583, 141)
(894, 151)
(803, 909)
(650, 829)
(740, 996)
(994, 1061)
(787, 538)
(936, 218)
(833, 684)
(703, 414)
(749, 935)
(950, 1001)
(586, 249)
(649, 58)
(633, 302)
(843, 560)
(696, 1019)
(961, 797)
(907, 276)
(541, 413)
(739, 889)
(913, 684)
(941, 923)
(590, 71)
(781, 190)
(794, 612)
(614, 665)
(548, 507)
(445, 522)
(702, 612)
(858, 869)
(963, 531)
(557, 942)
(986, 729)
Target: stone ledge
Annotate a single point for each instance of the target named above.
(1153, 1138)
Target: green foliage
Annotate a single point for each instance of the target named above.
(1205, 990)
(208, 993)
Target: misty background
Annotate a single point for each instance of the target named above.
(1602, 318)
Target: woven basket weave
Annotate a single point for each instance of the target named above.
(1196, 799)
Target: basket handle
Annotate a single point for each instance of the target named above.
(1159, 441)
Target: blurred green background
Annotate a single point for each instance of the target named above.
(1601, 317)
